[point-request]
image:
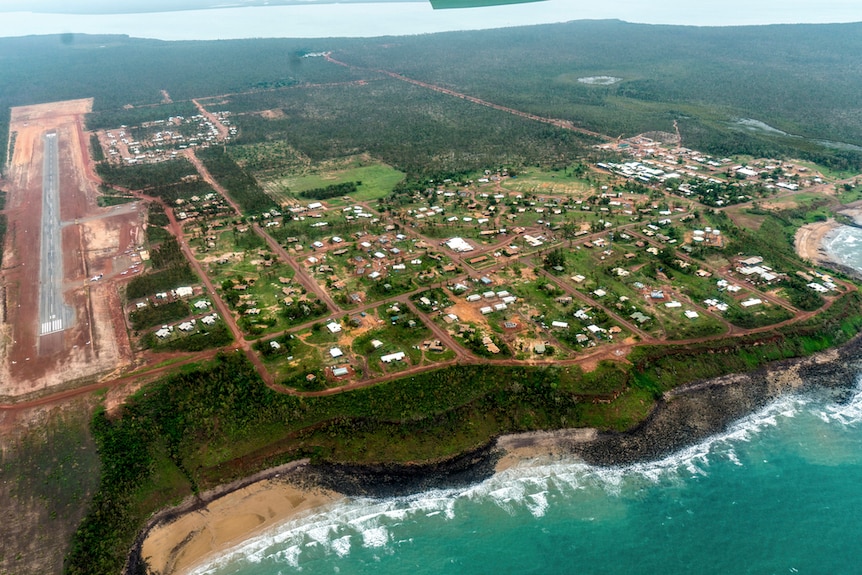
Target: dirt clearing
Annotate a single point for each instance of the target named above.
(95, 344)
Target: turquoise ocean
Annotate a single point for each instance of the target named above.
(779, 491)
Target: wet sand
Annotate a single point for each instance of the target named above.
(197, 537)
(194, 538)
(524, 447)
(809, 240)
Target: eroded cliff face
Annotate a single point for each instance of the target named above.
(683, 417)
(695, 411)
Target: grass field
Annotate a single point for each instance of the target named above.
(377, 179)
(535, 181)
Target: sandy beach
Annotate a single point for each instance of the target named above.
(809, 240)
(178, 546)
(524, 447)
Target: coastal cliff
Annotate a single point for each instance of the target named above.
(681, 418)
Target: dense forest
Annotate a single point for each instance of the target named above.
(802, 80)
(240, 186)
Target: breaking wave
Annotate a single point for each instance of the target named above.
(530, 488)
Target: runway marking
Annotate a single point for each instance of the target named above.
(52, 326)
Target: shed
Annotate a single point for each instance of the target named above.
(397, 356)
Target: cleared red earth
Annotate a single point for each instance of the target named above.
(96, 343)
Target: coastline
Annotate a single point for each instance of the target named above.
(180, 539)
(177, 540)
(810, 239)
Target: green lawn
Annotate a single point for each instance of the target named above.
(377, 179)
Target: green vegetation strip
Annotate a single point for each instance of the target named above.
(173, 272)
(158, 314)
(146, 176)
(240, 185)
(3, 226)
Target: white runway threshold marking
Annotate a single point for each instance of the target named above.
(52, 326)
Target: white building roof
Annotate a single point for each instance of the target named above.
(397, 356)
(459, 245)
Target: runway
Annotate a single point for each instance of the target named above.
(53, 313)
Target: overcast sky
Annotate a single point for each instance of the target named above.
(393, 18)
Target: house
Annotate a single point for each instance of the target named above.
(333, 327)
(340, 371)
(639, 317)
(163, 333)
(560, 324)
(184, 291)
(275, 345)
(691, 314)
(335, 352)
(376, 343)
(186, 326)
(202, 304)
(210, 319)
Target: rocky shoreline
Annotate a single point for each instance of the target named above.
(683, 417)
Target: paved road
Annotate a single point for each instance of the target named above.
(53, 314)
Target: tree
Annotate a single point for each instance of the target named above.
(555, 259)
